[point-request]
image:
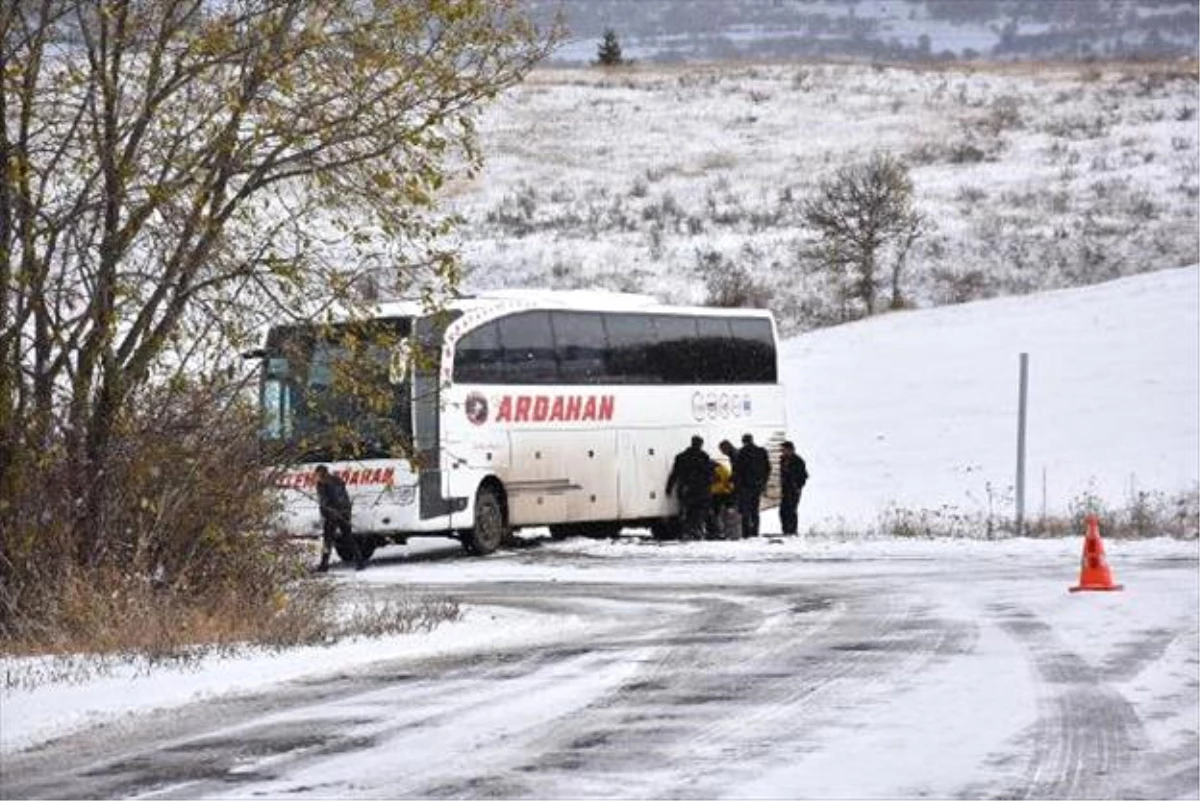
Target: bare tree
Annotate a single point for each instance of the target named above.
(864, 214)
(177, 172)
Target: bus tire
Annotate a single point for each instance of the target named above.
(365, 546)
(665, 528)
(491, 529)
(604, 531)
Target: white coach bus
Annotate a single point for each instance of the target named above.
(557, 409)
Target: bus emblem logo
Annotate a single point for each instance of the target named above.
(476, 408)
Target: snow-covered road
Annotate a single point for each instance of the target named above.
(784, 668)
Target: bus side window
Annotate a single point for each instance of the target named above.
(678, 358)
(718, 362)
(579, 344)
(629, 339)
(755, 350)
(478, 358)
(528, 344)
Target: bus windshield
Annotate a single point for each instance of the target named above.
(338, 392)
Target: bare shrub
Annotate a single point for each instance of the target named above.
(951, 285)
(1146, 514)
(728, 283)
(183, 552)
(666, 212)
(966, 152)
(944, 521)
(516, 211)
(1141, 206)
(1078, 126)
(404, 615)
(1003, 115)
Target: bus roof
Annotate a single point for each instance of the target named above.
(574, 299)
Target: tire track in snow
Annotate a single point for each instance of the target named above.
(1084, 741)
(727, 689)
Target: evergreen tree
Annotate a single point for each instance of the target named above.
(608, 54)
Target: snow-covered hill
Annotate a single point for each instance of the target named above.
(919, 409)
(648, 179)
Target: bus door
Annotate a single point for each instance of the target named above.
(426, 417)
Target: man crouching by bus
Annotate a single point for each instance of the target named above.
(692, 473)
(335, 517)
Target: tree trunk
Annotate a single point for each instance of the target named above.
(96, 483)
(867, 282)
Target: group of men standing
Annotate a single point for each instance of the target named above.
(707, 490)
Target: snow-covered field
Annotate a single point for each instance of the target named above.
(1032, 177)
(915, 408)
(918, 410)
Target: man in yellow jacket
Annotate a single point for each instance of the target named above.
(723, 522)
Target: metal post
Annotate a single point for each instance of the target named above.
(1020, 490)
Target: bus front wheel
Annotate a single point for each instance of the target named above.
(490, 527)
(366, 546)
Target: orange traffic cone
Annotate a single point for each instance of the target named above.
(1094, 573)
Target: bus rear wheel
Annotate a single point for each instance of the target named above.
(490, 529)
(665, 528)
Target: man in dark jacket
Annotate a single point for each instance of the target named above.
(751, 469)
(335, 517)
(793, 475)
(692, 474)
